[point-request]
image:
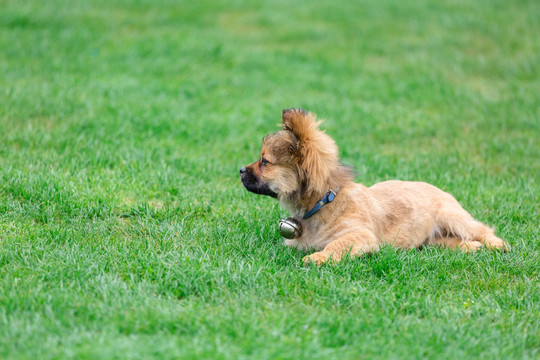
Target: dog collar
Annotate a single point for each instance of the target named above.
(329, 197)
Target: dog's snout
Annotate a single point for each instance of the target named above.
(243, 170)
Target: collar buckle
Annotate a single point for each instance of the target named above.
(328, 197)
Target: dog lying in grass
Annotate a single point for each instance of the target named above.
(299, 166)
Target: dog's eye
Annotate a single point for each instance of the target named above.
(264, 161)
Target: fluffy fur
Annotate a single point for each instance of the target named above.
(300, 163)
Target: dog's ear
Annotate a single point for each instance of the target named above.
(300, 122)
(317, 153)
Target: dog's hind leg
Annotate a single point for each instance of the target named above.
(456, 243)
(458, 229)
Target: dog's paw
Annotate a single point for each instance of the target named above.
(317, 258)
(470, 246)
(506, 247)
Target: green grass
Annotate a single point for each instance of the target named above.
(124, 229)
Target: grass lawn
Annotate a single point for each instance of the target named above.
(125, 231)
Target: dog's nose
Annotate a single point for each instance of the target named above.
(243, 170)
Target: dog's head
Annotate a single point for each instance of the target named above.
(298, 161)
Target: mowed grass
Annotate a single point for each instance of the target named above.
(124, 229)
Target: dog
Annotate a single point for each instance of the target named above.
(329, 212)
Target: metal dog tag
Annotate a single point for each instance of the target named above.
(290, 228)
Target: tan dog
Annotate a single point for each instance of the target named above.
(299, 166)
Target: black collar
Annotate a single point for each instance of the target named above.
(329, 197)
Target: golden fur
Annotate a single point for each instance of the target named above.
(300, 163)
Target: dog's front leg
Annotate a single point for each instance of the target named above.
(354, 243)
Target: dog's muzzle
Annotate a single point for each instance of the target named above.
(252, 183)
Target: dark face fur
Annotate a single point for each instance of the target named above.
(275, 173)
